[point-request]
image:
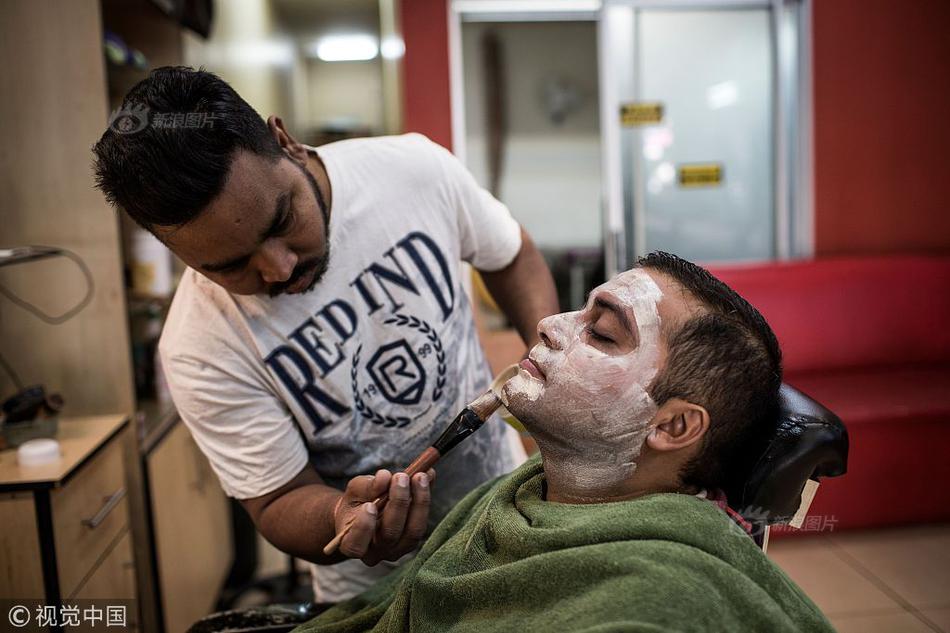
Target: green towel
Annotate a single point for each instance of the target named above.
(506, 560)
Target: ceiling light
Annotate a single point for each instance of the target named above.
(344, 48)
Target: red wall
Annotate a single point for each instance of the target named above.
(881, 72)
(425, 71)
(882, 139)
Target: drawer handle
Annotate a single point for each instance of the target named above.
(110, 503)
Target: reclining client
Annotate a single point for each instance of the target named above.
(642, 405)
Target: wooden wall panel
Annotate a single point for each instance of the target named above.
(53, 107)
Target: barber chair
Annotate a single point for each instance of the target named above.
(809, 442)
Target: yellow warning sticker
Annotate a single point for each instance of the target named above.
(700, 175)
(641, 113)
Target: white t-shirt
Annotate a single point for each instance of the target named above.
(367, 369)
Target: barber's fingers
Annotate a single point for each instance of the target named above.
(418, 516)
(356, 513)
(360, 490)
(381, 483)
(360, 536)
(413, 527)
(389, 534)
(357, 489)
(393, 518)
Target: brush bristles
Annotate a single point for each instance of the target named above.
(484, 405)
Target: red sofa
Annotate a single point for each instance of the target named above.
(870, 339)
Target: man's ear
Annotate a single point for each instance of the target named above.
(292, 146)
(678, 424)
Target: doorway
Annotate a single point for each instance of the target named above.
(531, 134)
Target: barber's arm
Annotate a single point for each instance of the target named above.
(250, 439)
(524, 290)
(302, 516)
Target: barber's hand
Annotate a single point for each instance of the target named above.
(398, 529)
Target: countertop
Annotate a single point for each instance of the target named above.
(79, 438)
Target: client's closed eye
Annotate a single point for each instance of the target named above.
(598, 336)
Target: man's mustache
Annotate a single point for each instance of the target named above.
(301, 270)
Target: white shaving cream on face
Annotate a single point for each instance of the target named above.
(591, 413)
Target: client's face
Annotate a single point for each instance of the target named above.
(583, 390)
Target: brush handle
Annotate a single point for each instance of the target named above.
(426, 460)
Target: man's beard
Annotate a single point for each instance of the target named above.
(319, 263)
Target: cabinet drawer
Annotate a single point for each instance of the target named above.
(88, 514)
(114, 578)
(113, 581)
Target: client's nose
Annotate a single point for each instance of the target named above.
(545, 339)
(547, 332)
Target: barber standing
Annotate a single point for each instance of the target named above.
(321, 331)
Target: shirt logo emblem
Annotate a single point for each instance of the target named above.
(397, 373)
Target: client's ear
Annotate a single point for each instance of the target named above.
(678, 424)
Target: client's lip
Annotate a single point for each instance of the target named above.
(532, 368)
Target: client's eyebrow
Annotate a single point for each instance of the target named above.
(621, 315)
(281, 211)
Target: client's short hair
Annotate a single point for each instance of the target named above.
(727, 360)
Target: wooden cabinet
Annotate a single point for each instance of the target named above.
(64, 528)
(191, 528)
(89, 515)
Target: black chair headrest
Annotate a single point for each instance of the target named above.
(809, 442)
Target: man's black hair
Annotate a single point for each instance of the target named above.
(727, 360)
(168, 149)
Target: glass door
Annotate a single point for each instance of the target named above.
(694, 130)
(703, 175)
